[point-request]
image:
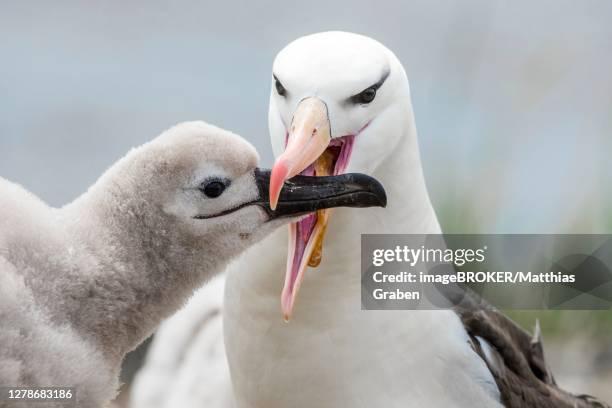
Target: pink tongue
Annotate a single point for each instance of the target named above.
(304, 226)
(304, 230)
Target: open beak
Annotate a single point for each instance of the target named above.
(308, 138)
(309, 151)
(303, 194)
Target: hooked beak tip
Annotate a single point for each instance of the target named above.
(279, 174)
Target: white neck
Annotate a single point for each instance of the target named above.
(409, 209)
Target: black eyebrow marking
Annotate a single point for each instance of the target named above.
(278, 82)
(376, 86)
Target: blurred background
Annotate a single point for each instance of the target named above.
(513, 102)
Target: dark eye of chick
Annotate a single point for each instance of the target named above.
(280, 88)
(213, 189)
(366, 96)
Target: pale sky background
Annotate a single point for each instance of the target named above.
(513, 100)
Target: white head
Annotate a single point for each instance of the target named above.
(360, 82)
(338, 102)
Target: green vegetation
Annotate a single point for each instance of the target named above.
(561, 323)
(460, 215)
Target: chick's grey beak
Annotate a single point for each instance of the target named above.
(303, 194)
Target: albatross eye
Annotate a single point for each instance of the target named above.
(279, 87)
(367, 95)
(213, 189)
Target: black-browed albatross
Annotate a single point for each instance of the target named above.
(341, 102)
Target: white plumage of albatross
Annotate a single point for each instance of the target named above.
(82, 285)
(332, 353)
(344, 99)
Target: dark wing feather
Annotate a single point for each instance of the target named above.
(517, 360)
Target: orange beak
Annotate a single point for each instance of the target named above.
(308, 139)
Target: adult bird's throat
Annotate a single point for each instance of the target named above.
(305, 241)
(324, 166)
(307, 235)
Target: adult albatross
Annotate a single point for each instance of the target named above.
(341, 102)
